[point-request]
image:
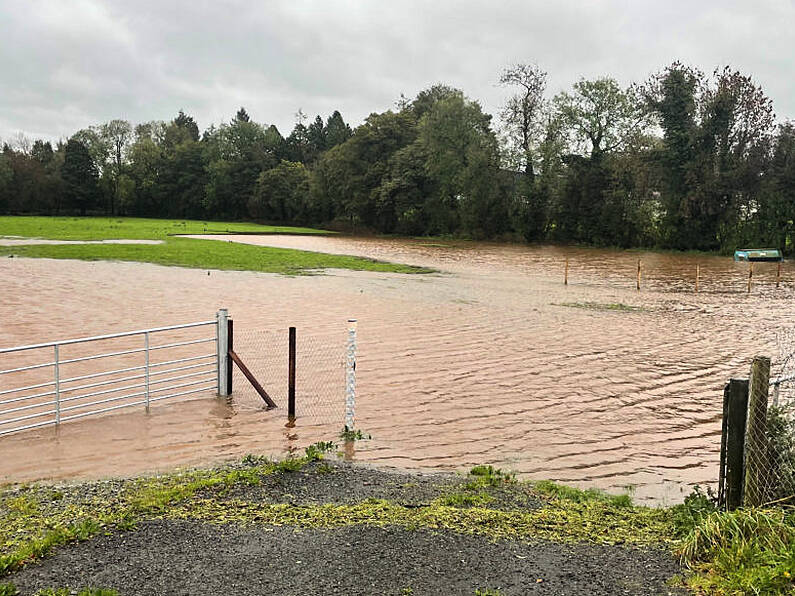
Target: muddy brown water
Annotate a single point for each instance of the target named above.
(491, 360)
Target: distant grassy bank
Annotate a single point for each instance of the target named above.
(175, 251)
(130, 228)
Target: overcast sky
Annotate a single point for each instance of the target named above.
(67, 64)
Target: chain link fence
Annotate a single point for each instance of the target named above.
(768, 440)
(320, 373)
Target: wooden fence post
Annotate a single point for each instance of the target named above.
(638, 282)
(778, 275)
(698, 274)
(230, 334)
(750, 274)
(756, 456)
(291, 377)
(736, 411)
(566, 273)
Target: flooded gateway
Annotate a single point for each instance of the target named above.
(491, 360)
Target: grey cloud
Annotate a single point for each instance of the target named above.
(67, 64)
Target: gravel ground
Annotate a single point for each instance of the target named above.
(192, 557)
(170, 557)
(341, 483)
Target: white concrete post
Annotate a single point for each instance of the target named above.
(222, 339)
(350, 376)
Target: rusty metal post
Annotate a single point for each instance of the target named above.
(291, 377)
(230, 335)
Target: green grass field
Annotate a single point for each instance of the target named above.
(175, 251)
(107, 228)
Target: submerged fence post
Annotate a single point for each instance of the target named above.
(756, 456)
(350, 376)
(736, 413)
(750, 274)
(57, 387)
(698, 274)
(638, 282)
(291, 377)
(221, 340)
(566, 273)
(230, 346)
(778, 275)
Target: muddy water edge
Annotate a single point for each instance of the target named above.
(491, 360)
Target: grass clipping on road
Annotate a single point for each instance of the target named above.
(175, 251)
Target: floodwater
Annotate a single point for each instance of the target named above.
(491, 360)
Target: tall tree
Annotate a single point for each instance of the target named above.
(599, 118)
(117, 134)
(672, 97)
(188, 124)
(717, 136)
(80, 176)
(523, 112)
(525, 123)
(463, 160)
(337, 131)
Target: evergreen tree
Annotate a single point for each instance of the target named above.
(80, 177)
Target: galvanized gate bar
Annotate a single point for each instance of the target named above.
(152, 381)
(65, 342)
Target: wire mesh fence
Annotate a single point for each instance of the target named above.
(769, 436)
(320, 373)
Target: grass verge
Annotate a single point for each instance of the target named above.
(175, 251)
(614, 306)
(743, 552)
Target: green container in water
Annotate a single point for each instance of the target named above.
(757, 254)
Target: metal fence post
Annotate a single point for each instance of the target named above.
(146, 370)
(350, 376)
(736, 417)
(57, 388)
(291, 376)
(230, 346)
(223, 350)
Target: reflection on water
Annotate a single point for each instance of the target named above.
(493, 360)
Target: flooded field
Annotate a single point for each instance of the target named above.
(491, 360)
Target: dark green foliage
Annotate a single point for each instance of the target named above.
(697, 506)
(336, 132)
(684, 161)
(80, 177)
(781, 455)
(188, 124)
(282, 194)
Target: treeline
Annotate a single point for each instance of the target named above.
(683, 160)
